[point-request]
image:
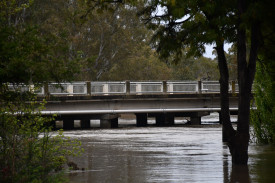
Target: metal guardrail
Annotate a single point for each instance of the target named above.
(126, 87)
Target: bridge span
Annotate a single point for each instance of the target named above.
(83, 101)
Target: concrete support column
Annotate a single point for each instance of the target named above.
(109, 121)
(195, 120)
(165, 119)
(196, 117)
(141, 119)
(114, 122)
(68, 123)
(85, 123)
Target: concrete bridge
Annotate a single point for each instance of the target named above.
(82, 101)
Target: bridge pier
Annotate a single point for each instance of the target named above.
(68, 123)
(195, 117)
(141, 119)
(195, 120)
(165, 119)
(109, 121)
(85, 123)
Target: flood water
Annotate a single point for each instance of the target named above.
(166, 155)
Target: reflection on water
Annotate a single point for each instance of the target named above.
(171, 154)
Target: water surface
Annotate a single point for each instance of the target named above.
(165, 154)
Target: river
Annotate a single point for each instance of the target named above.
(165, 155)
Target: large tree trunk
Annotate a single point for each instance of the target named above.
(227, 130)
(246, 71)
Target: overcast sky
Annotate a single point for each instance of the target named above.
(209, 50)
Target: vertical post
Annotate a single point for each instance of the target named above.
(170, 89)
(195, 119)
(85, 123)
(233, 85)
(199, 86)
(46, 89)
(138, 88)
(164, 87)
(106, 88)
(141, 119)
(109, 121)
(68, 123)
(128, 87)
(89, 87)
(165, 119)
(70, 89)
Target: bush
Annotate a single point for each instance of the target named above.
(263, 118)
(29, 152)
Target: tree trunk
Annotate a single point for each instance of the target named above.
(228, 130)
(246, 72)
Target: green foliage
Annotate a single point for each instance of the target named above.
(188, 25)
(29, 151)
(27, 53)
(263, 119)
(195, 69)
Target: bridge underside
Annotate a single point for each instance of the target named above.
(107, 109)
(112, 120)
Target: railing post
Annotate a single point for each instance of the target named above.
(70, 89)
(170, 88)
(106, 88)
(127, 85)
(89, 87)
(164, 87)
(199, 86)
(46, 89)
(138, 88)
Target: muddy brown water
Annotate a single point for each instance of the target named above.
(166, 155)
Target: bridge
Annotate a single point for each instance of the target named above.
(79, 102)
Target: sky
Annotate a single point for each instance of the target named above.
(209, 50)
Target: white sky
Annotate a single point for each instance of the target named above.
(209, 50)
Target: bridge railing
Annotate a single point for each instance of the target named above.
(126, 87)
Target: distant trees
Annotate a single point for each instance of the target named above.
(195, 69)
(30, 54)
